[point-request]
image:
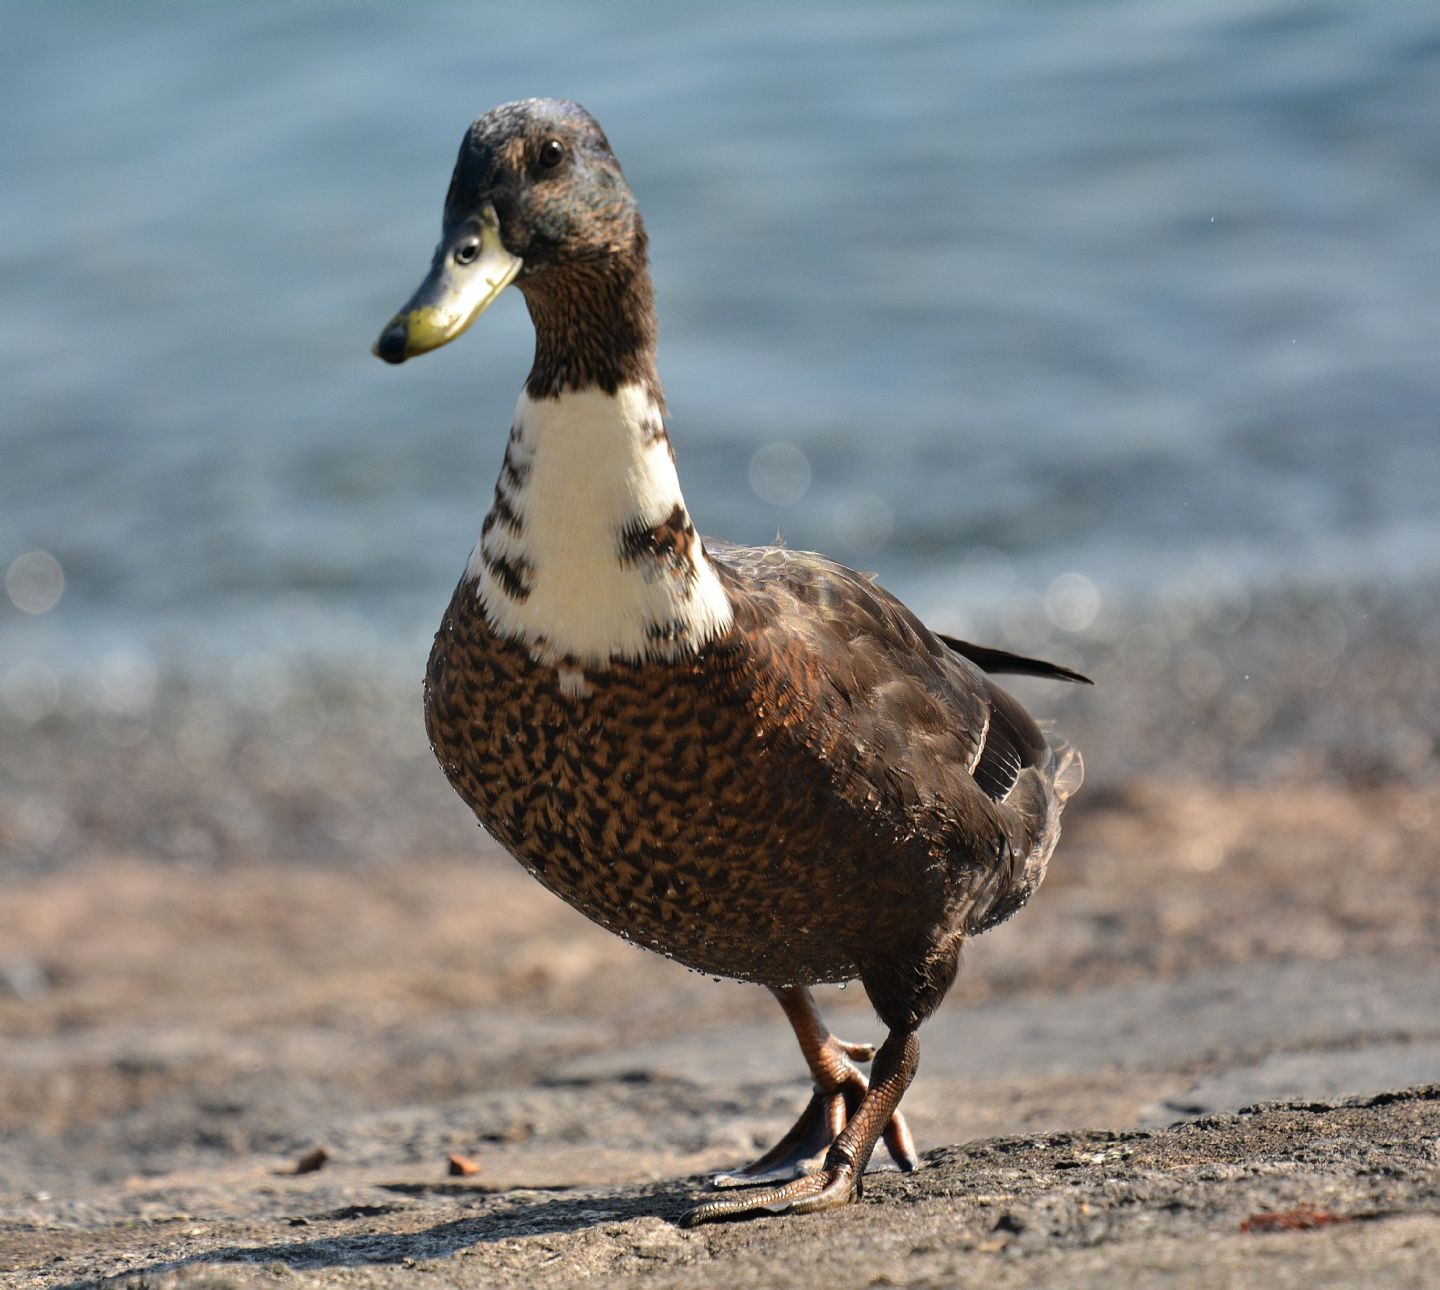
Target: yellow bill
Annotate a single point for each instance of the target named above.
(471, 268)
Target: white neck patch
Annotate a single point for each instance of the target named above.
(553, 568)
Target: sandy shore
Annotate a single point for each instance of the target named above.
(263, 926)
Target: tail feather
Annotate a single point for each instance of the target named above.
(989, 659)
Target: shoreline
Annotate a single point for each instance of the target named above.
(287, 760)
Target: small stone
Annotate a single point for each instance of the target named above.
(23, 979)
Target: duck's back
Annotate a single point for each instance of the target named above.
(824, 779)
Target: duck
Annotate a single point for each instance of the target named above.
(752, 760)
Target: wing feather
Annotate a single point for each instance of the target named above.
(903, 726)
(912, 705)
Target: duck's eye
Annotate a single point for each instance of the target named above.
(466, 252)
(552, 153)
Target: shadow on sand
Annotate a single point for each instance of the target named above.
(504, 1216)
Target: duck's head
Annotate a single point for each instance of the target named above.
(538, 199)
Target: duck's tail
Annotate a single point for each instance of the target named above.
(995, 661)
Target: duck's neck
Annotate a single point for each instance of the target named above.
(595, 328)
(588, 553)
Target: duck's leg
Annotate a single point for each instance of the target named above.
(840, 1089)
(837, 1181)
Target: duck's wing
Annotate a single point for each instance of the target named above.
(899, 715)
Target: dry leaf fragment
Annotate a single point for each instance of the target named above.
(1291, 1220)
(312, 1160)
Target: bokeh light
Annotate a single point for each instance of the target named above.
(35, 582)
(780, 474)
(1072, 601)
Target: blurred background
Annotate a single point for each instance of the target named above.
(1072, 305)
(1110, 332)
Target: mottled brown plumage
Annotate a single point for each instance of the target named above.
(788, 805)
(809, 787)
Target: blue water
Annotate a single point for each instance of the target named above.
(1114, 295)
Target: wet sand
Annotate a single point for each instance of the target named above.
(223, 945)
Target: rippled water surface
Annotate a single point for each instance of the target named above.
(1039, 304)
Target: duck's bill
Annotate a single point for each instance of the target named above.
(471, 268)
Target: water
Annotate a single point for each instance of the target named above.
(1051, 305)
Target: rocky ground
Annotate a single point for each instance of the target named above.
(1205, 1054)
